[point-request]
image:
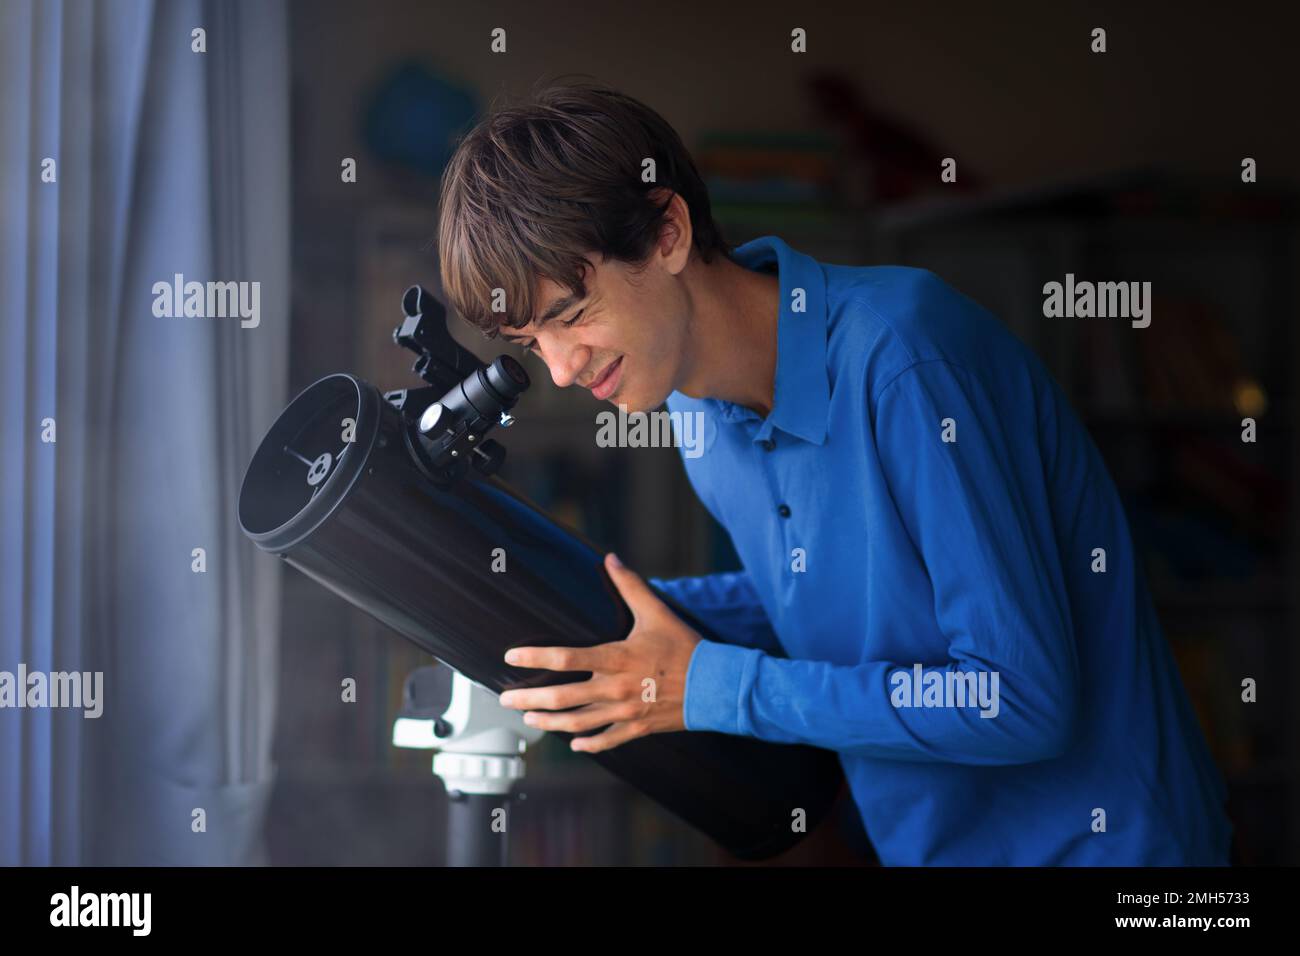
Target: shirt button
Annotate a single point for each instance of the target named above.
(783, 511)
(768, 444)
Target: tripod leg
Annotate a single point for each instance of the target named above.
(476, 834)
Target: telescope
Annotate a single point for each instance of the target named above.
(391, 501)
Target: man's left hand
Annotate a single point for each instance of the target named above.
(637, 685)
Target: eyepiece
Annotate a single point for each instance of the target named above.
(508, 378)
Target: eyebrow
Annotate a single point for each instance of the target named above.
(560, 305)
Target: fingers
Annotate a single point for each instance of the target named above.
(583, 719)
(562, 696)
(618, 734)
(560, 658)
(638, 595)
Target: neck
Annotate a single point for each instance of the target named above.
(732, 340)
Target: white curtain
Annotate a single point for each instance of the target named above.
(166, 161)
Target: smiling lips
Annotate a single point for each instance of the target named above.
(604, 386)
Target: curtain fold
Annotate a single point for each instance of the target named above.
(168, 161)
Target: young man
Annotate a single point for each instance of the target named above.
(938, 583)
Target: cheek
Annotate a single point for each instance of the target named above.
(655, 342)
(647, 359)
(652, 369)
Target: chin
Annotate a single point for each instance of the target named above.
(640, 396)
(637, 402)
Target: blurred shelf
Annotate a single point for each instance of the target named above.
(1267, 774)
(1224, 595)
(1145, 195)
(1273, 421)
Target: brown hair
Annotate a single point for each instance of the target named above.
(535, 188)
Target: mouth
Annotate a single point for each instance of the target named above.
(606, 382)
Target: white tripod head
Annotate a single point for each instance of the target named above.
(480, 743)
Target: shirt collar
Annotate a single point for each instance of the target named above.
(802, 401)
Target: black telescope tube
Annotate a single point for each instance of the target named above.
(417, 555)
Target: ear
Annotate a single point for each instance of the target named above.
(675, 233)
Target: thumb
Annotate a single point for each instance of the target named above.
(630, 585)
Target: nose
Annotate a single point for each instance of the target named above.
(565, 362)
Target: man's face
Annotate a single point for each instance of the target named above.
(625, 340)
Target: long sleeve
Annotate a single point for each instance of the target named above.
(998, 599)
(727, 603)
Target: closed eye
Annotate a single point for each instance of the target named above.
(531, 345)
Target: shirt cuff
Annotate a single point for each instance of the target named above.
(715, 679)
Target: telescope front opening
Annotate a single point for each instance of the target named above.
(302, 460)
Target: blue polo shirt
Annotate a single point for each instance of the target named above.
(922, 511)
